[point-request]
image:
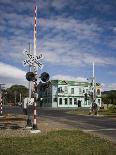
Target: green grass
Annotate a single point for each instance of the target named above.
(106, 112)
(57, 143)
(79, 111)
(85, 111)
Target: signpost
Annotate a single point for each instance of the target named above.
(0, 105)
(93, 93)
(34, 62)
(1, 100)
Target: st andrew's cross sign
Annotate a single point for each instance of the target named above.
(32, 61)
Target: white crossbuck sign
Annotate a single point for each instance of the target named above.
(32, 61)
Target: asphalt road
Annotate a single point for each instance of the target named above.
(98, 125)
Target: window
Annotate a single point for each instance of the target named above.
(45, 100)
(55, 99)
(60, 90)
(79, 103)
(98, 101)
(72, 90)
(60, 101)
(75, 100)
(70, 101)
(98, 91)
(86, 90)
(66, 89)
(66, 101)
(80, 90)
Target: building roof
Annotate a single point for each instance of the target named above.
(72, 83)
(68, 82)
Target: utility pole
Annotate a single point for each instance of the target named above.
(93, 82)
(94, 91)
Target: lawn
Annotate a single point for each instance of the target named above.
(61, 142)
(85, 111)
(79, 111)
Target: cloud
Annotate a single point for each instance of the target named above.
(68, 77)
(108, 86)
(11, 75)
(76, 27)
(63, 38)
(64, 56)
(59, 5)
(112, 43)
(68, 33)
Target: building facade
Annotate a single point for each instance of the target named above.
(62, 93)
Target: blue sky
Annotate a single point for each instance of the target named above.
(71, 34)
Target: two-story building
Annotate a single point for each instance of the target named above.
(62, 93)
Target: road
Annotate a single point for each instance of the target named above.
(98, 125)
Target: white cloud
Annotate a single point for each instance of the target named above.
(87, 28)
(11, 75)
(108, 86)
(66, 38)
(11, 71)
(112, 43)
(74, 39)
(60, 4)
(67, 57)
(114, 29)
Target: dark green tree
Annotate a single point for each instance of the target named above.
(109, 97)
(13, 93)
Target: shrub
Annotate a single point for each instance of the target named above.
(112, 109)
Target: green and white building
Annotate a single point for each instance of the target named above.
(62, 93)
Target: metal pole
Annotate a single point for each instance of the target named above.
(20, 98)
(94, 91)
(29, 123)
(1, 100)
(29, 71)
(35, 69)
(93, 81)
(1, 104)
(34, 110)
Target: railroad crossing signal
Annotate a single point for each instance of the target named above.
(30, 76)
(44, 76)
(44, 83)
(33, 61)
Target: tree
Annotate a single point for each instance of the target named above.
(109, 97)
(13, 93)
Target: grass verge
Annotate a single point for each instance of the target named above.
(61, 142)
(85, 111)
(79, 111)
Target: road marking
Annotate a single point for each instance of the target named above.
(106, 129)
